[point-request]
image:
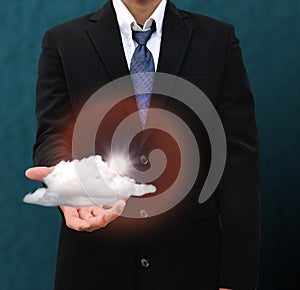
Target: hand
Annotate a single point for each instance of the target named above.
(85, 218)
(224, 289)
(91, 218)
(38, 173)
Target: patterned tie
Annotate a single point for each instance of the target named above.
(142, 71)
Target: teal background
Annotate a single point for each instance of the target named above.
(269, 34)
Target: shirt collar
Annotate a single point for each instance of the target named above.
(127, 22)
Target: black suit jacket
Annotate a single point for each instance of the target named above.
(186, 248)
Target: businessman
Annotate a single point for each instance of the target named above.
(207, 246)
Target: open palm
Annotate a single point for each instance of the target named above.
(86, 219)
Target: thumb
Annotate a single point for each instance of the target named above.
(38, 173)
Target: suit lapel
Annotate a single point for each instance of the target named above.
(105, 35)
(176, 37)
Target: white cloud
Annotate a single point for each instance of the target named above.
(86, 182)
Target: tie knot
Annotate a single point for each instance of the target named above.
(141, 37)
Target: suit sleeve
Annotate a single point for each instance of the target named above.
(238, 191)
(53, 108)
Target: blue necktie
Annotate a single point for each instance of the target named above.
(142, 69)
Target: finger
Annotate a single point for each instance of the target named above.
(103, 217)
(97, 211)
(114, 208)
(73, 220)
(77, 223)
(69, 211)
(85, 213)
(38, 173)
(96, 223)
(109, 206)
(114, 212)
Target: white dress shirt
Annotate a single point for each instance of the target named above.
(127, 22)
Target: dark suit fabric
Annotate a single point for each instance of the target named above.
(186, 246)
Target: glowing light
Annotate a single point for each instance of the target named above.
(119, 164)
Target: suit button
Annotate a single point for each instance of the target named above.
(143, 213)
(145, 263)
(144, 160)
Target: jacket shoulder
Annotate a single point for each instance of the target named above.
(70, 27)
(211, 25)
